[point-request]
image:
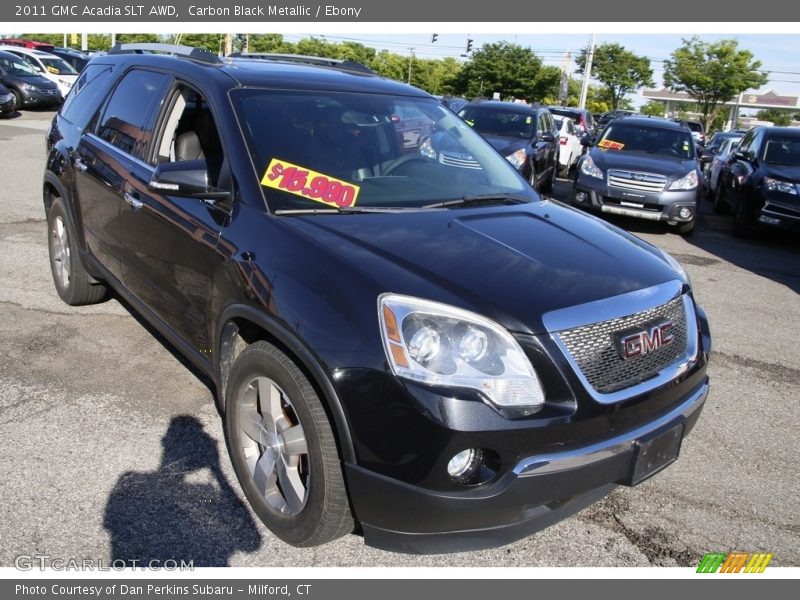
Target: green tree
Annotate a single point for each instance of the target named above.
(138, 38)
(267, 42)
(712, 73)
(619, 70)
(508, 69)
(777, 116)
(654, 108)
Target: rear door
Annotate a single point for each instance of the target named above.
(105, 156)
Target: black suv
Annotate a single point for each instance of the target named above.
(643, 167)
(525, 134)
(761, 183)
(413, 347)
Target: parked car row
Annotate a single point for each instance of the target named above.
(27, 86)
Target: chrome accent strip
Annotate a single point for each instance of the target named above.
(581, 457)
(632, 212)
(615, 307)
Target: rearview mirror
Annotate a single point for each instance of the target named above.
(187, 178)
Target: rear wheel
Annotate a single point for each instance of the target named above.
(283, 449)
(73, 284)
(743, 220)
(720, 207)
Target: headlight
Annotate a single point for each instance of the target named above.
(426, 149)
(65, 83)
(28, 87)
(589, 168)
(687, 182)
(776, 185)
(517, 158)
(439, 344)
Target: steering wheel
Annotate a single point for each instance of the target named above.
(396, 163)
(668, 151)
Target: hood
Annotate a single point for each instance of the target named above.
(639, 161)
(510, 263)
(784, 172)
(506, 145)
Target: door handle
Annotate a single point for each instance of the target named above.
(132, 200)
(80, 165)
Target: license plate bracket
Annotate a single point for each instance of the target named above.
(655, 452)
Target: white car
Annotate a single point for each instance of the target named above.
(48, 65)
(570, 148)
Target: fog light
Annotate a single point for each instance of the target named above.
(580, 196)
(465, 465)
(685, 213)
(769, 220)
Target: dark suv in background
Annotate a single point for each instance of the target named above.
(525, 134)
(413, 345)
(761, 182)
(643, 167)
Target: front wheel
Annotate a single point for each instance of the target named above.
(547, 186)
(283, 449)
(686, 229)
(719, 205)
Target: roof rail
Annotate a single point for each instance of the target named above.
(348, 65)
(198, 54)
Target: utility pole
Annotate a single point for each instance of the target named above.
(563, 91)
(84, 42)
(587, 72)
(228, 43)
(410, 58)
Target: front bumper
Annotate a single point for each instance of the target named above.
(38, 98)
(539, 491)
(7, 106)
(776, 214)
(594, 194)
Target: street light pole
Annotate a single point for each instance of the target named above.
(587, 72)
(410, 57)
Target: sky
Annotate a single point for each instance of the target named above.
(778, 53)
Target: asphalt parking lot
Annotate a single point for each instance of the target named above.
(112, 447)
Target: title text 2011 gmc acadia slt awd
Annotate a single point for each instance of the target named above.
(418, 349)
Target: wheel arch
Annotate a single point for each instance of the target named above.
(241, 325)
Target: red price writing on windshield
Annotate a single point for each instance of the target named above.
(285, 176)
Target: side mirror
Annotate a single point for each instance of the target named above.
(705, 157)
(188, 178)
(741, 156)
(548, 136)
(586, 140)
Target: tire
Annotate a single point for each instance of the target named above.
(17, 99)
(718, 203)
(547, 186)
(282, 447)
(73, 284)
(564, 171)
(686, 229)
(742, 220)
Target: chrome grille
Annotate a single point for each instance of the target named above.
(634, 180)
(463, 161)
(594, 348)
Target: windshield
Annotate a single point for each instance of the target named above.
(782, 150)
(626, 137)
(16, 67)
(57, 66)
(499, 121)
(335, 149)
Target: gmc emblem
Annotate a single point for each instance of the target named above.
(644, 341)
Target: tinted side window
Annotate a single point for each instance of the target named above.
(744, 146)
(130, 114)
(92, 88)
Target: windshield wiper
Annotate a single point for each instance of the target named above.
(344, 210)
(479, 199)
